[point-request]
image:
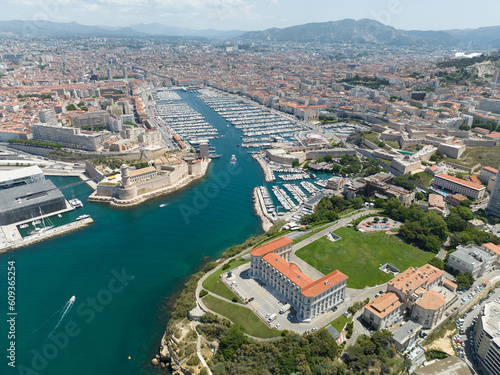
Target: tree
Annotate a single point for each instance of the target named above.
(437, 262)
(358, 202)
(403, 182)
(295, 163)
(437, 156)
(464, 127)
(231, 342)
(465, 203)
(71, 107)
(328, 158)
(464, 280)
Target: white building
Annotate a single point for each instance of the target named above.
(20, 176)
(487, 338)
(471, 259)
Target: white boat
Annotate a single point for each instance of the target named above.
(22, 226)
(76, 203)
(42, 229)
(233, 159)
(163, 205)
(81, 217)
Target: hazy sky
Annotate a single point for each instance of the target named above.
(258, 14)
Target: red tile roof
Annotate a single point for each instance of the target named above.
(294, 275)
(271, 246)
(309, 288)
(384, 305)
(471, 185)
(323, 284)
(431, 300)
(491, 246)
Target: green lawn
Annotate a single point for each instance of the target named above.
(214, 284)
(242, 316)
(371, 136)
(422, 178)
(360, 258)
(340, 322)
(486, 156)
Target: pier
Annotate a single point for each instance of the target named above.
(11, 239)
(260, 209)
(268, 172)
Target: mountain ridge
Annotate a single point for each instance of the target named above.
(363, 31)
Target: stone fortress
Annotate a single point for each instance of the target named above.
(163, 175)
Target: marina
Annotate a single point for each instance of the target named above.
(181, 118)
(259, 126)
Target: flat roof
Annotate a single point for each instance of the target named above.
(18, 173)
(491, 319)
(138, 172)
(28, 195)
(471, 254)
(410, 329)
(448, 366)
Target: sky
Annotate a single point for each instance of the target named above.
(257, 14)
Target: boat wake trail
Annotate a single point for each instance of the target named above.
(65, 310)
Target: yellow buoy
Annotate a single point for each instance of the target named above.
(129, 357)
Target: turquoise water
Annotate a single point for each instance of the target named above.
(158, 248)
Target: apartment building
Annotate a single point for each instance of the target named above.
(470, 189)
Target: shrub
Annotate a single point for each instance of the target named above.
(203, 293)
(435, 354)
(193, 361)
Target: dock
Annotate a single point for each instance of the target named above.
(268, 172)
(260, 209)
(11, 239)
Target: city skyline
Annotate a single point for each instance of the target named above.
(253, 15)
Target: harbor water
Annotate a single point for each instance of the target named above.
(122, 268)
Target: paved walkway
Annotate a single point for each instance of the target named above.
(198, 348)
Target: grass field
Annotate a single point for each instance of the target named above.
(423, 178)
(359, 256)
(486, 156)
(214, 284)
(242, 316)
(340, 322)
